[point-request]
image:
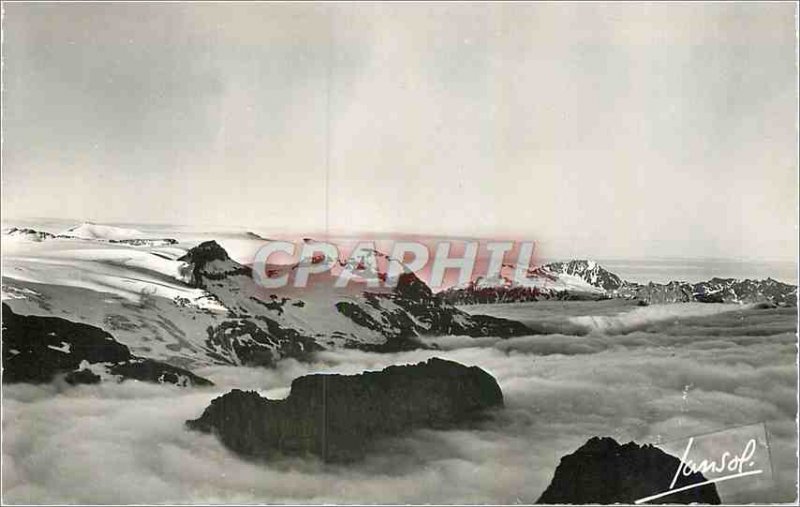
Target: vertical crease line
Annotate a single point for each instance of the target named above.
(328, 86)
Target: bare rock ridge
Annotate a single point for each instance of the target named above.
(37, 349)
(604, 472)
(338, 417)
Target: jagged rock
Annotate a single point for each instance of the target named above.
(659, 293)
(205, 252)
(37, 349)
(209, 261)
(337, 417)
(604, 472)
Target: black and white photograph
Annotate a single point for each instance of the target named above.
(399, 253)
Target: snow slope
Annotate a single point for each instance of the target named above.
(88, 230)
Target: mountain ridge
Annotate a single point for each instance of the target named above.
(545, 285)
(203, 307)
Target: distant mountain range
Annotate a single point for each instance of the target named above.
(91, 232)
(587, 280)
(570, 280)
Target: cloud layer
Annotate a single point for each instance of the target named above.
(686, 376)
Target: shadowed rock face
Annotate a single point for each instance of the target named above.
(336, 417)
(37, 349)
(209, 261)
(605, 472)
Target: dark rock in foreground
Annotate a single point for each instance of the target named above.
(37, 349)
(336, 417)
(605, 472)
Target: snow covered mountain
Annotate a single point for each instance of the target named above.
(587, 270)
(190, 302)
(195, 305)
(577, 279)
(89, 230)
(586, 279)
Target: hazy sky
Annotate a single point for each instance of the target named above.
(598, 129)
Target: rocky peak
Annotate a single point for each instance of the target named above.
(588, 270)
(209, 261)
(410, 286)
(204, 253)
(604, 472)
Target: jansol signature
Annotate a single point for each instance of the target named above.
(737, 465)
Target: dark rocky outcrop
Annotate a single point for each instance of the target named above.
(604, 472)
(337, 417)
(209, 261)
(37, 349)
(424, 313)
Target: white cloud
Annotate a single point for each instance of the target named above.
(126, 443)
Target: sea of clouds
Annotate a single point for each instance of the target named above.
(649, 375)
